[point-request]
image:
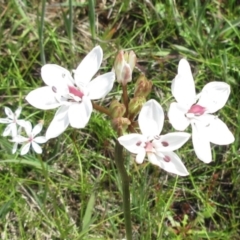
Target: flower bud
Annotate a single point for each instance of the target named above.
(117, 109)
(143, 87)
(135, 105)
(124, 65)
(120, 124)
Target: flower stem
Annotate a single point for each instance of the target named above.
(101, 109)
(125, 189)
(125, 98)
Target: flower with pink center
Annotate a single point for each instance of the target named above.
(197, 110)
(158, 148)
(12, 121)
(30, 140)
(71, 95)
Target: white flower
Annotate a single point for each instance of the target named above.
(30, 140)
(72, 95)
(12, 121)
(206, 127)
(159, 148)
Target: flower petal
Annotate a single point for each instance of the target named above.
(170, 162)
(89, 66)
(140, 156)
(36, 148)
(11, 129)
(59, 123)
(201, 143)
(5, 120)
(55, 75)
(177, 118)
(18, 112)
(101, 86)
(15, 145)
(25, 148)
(40, 139)
(183, 87)
(171, 141)
(218, 133)
(132, 142)
(214, 96)
(28, 128)
(9, 112)
(37, 129)
(43, 98)
(80, 113)
(151, 118)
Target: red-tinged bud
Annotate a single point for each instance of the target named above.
(135, 105)
(117, 109)
(143, 87)
(120, 124)
(124, 65)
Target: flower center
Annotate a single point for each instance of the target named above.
(195, 110)
(74, 91)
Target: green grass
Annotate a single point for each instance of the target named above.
(72, 190)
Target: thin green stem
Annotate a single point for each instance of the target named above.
(125, 189)
(125, 98)
(41, 28)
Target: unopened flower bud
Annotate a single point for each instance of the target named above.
(117, 109)
(124, 65)
(120, 124)
(135, 106)
(143, 87)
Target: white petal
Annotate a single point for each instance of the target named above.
(9, 113)
(214, 96)
(15, 145)
(171, 141)
(40, 139)
(37, 129)
(55, 75)
(18, 112)
(28, 128)
(5, 120)
(19, 139)
(80, 113)
(132, 142)
(11, 129)
(172, 165)
(201, 143)
(218, 133)
(25, 148)
(59, 123)
(36, 148)
(140, 156)
(43, 98)
(177, 118)
(89, 66)
(101, 86)
(151, 118)
(183, 87)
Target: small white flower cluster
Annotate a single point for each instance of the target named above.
(14, 129)
(73, 96)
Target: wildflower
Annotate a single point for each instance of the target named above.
(12, 121)
(30, 140)
(72, 95)
(159, 148)
(124, 65)
(206, 127)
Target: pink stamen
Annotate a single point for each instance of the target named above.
(165, 144)
(167, 159)
(149, 147)
(75, 92)
(197, 110)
